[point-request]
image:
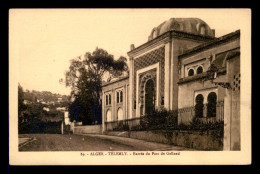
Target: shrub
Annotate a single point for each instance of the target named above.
(137, 128)
(196, 124)
(159, 120)
(168, 120)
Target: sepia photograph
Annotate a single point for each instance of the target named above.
(129, 86)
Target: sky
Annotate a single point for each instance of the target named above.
(43, 41)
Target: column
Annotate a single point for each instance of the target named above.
(174, 78)
(131, 81)
(126, 100)
(227, 116)
(62, 128)
(103, 112)
(167, 75)
(113, 104)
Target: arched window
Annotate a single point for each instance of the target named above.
(109, 99)
(199, 70)
(212, 104)
(199, 106)
(154, 34)
(203, 30)
(121, 96)
(106, 99)
(117, 97)
(191, 72)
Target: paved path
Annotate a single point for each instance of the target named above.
(90, 142)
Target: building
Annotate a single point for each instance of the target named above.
(59, 99)
(61, 109)
(66, 118)
(182, 67)
(116, 102)
(46, 109)
(27, 102)
(195, 89)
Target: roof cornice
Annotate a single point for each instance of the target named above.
(148, 44)
(204, 75)
(117, 80)
(235, 54)
(218, 41)
(167, 37)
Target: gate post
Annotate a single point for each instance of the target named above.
(62, 127)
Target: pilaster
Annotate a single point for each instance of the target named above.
(167, 75)
(103, 112)
(171, 74)
(131, 82)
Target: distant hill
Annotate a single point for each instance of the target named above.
(44, 96)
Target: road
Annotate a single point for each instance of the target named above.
(58, 142)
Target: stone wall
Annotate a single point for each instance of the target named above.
(91, 129)
(110, 126)
(200, 140)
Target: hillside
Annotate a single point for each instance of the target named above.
(44, 97)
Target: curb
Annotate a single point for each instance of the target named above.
(26, 142)
(138, 143)
(111, 138)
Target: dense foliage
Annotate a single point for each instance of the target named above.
(44, 96)
(168, 120)
(158, 120)
(85, 77)
(32, 118)
(21, 105)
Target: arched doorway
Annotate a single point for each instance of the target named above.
(212, 104)
(109, 115)
(203, 30)
(199, 106)
(149, 96)
(120, 114)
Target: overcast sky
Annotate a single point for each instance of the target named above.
(43, 41)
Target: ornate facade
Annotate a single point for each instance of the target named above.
(181, 66)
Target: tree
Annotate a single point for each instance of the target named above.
(22, 111)
(21, 105)
(85, 76)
